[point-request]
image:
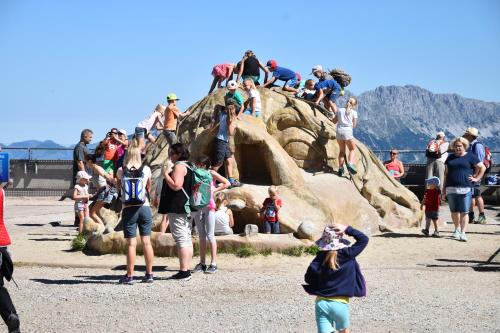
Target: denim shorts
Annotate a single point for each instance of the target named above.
(170, 136)
(330, 315)
(333, 95)
(222, 151)
(137, 216)
(249, 112)
(459, 203)
(140, 132)
(293, 83)
(433, 215)
(476, 191)
(272, 227)
(106, 195)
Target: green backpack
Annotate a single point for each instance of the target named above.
(201, 190)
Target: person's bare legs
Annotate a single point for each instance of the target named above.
(289, 89)
(81, 216)
(464, 219)
(230, 162)
(131, 247)
(149, 256)
(341, 156)
(164, 224)
(352, 148)
(455, 217)
(480, 204)
(185, 256)
(94, 212)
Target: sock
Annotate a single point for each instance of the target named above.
(481, 214)
(214, 264)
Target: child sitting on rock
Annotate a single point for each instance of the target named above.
(269, 211)
(307, 92)
(334, 277)
(81, 197)
(254, 105)
(224, 220)
(431, 202)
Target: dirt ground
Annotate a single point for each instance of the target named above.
(415, 284)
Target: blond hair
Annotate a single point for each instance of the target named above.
(273, 189)
(133, 158)
(252, 84)
(219, 200)
(331, 260)
(461, 139)
(352, 102)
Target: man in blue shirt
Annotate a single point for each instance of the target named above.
(328, 91)
(291, 79)
(476, 148)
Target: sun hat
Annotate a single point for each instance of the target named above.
(272, 63)
(433, 181)
(330, 240)
(122, 131)
(440, 134)
(172, 97)
(317, 68)
(472, 131)
(82, 174)
(231, 84)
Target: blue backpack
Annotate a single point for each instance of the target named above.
(133, 187)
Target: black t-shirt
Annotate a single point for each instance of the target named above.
(174, 201)
(79, 155)
(251, 67)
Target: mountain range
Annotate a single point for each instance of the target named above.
(403, 117)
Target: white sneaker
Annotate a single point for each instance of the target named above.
(456, 234)
(463, 238)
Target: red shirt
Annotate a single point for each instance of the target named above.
(4, 235)
(270, 212)
(432, 199)
(110, 149)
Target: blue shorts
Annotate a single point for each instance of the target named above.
(293, 83)
(222, 151)
(137, 216)
(333, 95)
(272, 227)
(459, 203)
(249, 112)
(433, 214)
(140, 132)
(106, 195)
(330, 315)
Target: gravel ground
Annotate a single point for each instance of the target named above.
(264, 300)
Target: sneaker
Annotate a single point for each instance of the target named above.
(148, 278)
(126, 280)
(211, 269)
(456, 234)
(182, 276)
(463, 238)
(340, 172)
(13, 323)
(199, 268)
(425, 232)
(481, 219)
(352, 168)
(436, 234)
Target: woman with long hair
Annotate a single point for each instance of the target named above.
(346, 120)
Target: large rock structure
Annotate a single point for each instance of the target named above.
(292, 145)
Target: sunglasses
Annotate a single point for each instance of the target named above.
(393, 153)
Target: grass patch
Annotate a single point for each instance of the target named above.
(78, 243)
(245, 252)
(312, 250)
(295, 251)
(266, 252)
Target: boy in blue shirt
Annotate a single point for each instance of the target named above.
(328, 91)
(291, 79)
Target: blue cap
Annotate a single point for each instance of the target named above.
(433, 181)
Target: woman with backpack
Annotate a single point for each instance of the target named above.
(174, 201)
(205, 218)
(134, 180)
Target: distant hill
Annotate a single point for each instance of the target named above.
(41, 154)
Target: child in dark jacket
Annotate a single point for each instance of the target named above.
(334, 276)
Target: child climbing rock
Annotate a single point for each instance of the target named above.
(291, 79)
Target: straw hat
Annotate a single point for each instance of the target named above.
(472, 131)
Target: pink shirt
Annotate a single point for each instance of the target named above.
(211, 204)
(222, 70)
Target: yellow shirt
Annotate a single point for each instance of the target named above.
(341, 299)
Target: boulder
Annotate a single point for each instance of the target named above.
(251, 230)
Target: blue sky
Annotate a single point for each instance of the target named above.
(67, 65)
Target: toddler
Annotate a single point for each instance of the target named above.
(269, 211)
(431, 202)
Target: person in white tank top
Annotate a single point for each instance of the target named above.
(224, 220)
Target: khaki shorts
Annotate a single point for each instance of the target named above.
(180, 226)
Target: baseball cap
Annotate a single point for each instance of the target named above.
(433, 181)
(122, 131)
(82, 174)
(231, 84)
(272, 63)
(172, 97)
(317, 68)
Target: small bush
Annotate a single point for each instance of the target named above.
(245, 251)
(266, 252)
(312, 250)
(295, 251)
(78, 243)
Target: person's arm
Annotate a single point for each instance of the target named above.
(230, 72)
(223, 182)
(277, 204)
(354, 122)
(242, 65)
(335, 119)
(158, 124)
(176, 181)
(80, 159)
(401, 169)
(254, 105)
(444, 179)
(361, 240)
(266, 71)
(214, 83)
(76, 196)
(321, 94)
(100, 171)
(231, 217)
(270, 82)
(232, 128)
(117, 139)
(479, 170)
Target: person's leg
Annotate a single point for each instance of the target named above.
(210, 232)
(267, 227)
(480, 205)
(275, 227)
(427, 224)
(440, 173)
(94, 212)
(149, 256)
(199, 219)
(229, 166)
(435, 223)
(341, 156)
(164, 224)
(7, 309)
(181, 232)
(81, 216)
(145, 223)
(131, 247)
(352, 149)
(464, 219)
(324, 322)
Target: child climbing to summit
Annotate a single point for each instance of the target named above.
(143, 129)
(172, 113)
(81, 197)
(334, 277)
(269, 211)
(328, 91)
(254, 105)
(220, 73)
(431, 202)
(291, 79)
(346, 120)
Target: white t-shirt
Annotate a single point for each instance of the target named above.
(254, 93)
(222, 222)
(147, 174)
(82, 190)
(344, 119)
(149, 121)
(443, 148)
